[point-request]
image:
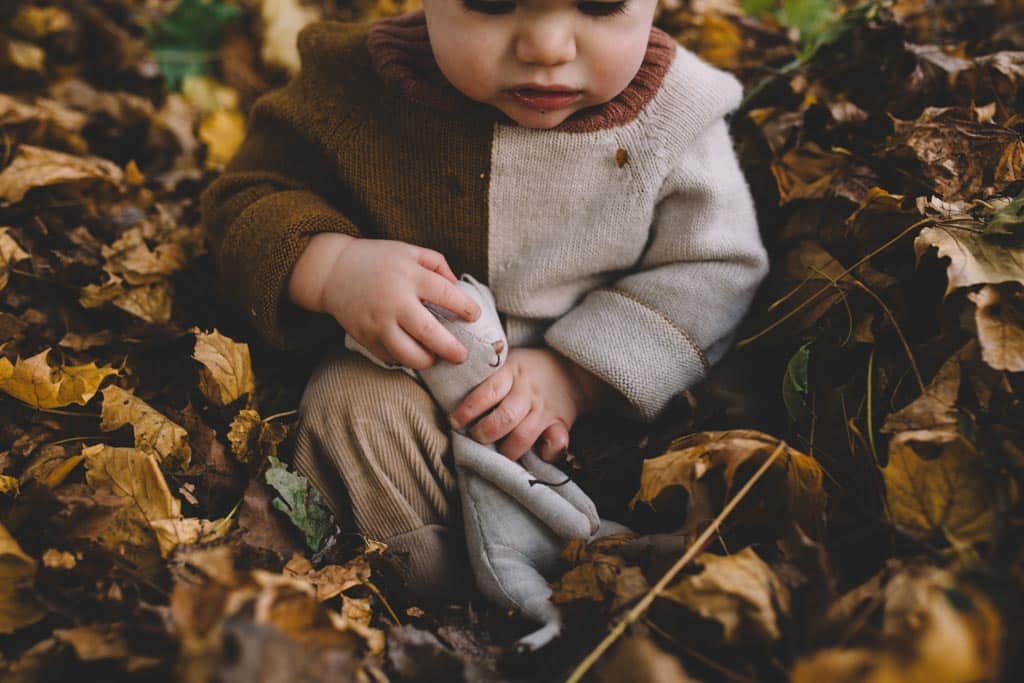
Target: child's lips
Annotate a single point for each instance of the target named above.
(544, 100)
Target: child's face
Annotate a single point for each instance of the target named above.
(501, 51)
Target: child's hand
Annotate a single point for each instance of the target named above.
(537, 392)
(375, 289)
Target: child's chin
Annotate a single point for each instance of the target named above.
(529, 118)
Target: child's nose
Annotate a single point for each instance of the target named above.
(547, 43)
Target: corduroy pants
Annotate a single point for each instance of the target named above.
(377, 446)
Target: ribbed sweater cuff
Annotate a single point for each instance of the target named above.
(268, 254)
(634, 348)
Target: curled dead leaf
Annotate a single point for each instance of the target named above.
(973, 258)
(740, 592)
(40, 167)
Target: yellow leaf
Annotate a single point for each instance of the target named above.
(34, 382)
(135, 475)
(16, 569)
(10, 252)
(226, 374)
(8, 484)
(740, 592)
(39, 167)
(154, 432)
(151, 302)
(223, 132)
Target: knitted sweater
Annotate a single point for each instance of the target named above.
(625, 238)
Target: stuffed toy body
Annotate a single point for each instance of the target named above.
(517, 515)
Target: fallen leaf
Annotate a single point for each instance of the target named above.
(1000, 319)
(39, 167)
(170, 533)
(241, 435)
(10, 253)
(58, 559)
(638, 660)
(740, 592)
(226, 374)
(134, 475)
(679, 487)
(223, 132)
(104, 641)
(973, 258)
(17, 610)
(302, 503)
(330, 580)
(154, 432)
(34, 382)
(935, 479)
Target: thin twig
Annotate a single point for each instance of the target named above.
(645, 602)
(279, 415)
(846, 271)
(703, 659)
(384, 601)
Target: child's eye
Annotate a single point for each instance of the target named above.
(594, 8)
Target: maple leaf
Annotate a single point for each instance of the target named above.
(226, 374)
(34, 382)
(154, 432)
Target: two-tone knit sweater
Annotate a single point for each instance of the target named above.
(625, 238)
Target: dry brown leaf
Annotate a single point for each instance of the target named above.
(794, 481)
(738, 591)
(154, 432)
(135, 475)
(332, 579)
(637, 660)
(1000, 319)
(16, 569)
(36, 23)
(8, 485)
(936, 480)
(242, 433)
(592, 580)
(226, 374)
(58, 559)
(973, 259)
(150, 302)
(170, 533)
(40, 167)
(10, 253)
(33, 381)
(934, 629)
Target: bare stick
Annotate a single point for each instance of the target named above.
(692, 552)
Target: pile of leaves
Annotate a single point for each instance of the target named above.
(840, 500)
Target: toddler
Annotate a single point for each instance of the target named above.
(566, 153)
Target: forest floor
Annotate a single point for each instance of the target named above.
(847, 481)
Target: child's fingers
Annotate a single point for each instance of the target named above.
(406, 350)
(503, 419)
(523, 436)
(447, 295)
(484, 397)
(554, 441)
(422, 326)
(435, 261)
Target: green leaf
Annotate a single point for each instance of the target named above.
(794, 384)
(1009, 220)
(187, 39)
(302, 503)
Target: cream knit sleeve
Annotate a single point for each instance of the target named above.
(655, 331)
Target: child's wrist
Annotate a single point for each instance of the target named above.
(307, 284)
(593, 391)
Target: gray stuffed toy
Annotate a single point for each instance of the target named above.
(516, 523)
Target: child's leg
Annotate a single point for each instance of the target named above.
(383, 435)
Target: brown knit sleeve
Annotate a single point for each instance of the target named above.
(261, 213)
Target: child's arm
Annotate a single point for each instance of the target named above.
(657, 330)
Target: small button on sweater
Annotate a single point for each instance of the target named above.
(624, 238)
